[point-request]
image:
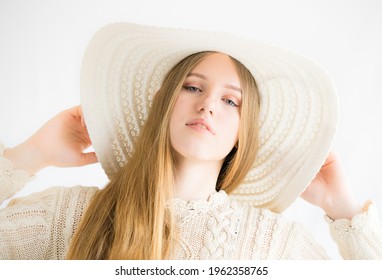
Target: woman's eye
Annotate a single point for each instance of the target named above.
(192, 89)
(230, 102)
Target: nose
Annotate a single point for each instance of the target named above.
(207, 103)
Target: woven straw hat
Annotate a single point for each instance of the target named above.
(124, 65)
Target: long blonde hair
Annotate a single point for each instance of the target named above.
(129, 219)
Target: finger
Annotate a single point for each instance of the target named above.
(88, 141)
(76, 112)
(88, 158)
(81, 116)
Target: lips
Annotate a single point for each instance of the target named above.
(201, 124)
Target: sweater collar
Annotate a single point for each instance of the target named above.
(183, 208)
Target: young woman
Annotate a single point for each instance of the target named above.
(180, 189)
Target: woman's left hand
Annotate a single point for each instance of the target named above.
(330, 191)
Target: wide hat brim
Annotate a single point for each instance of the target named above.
(124, 65)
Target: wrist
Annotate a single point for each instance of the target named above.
(343, 209)
(25, 157)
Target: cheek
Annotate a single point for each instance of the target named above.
(235, 136)
(176, 109)
(234, 124)
(231, 129)
(180, 106)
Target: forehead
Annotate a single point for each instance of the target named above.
(218, 67)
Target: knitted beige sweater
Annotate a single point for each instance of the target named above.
(41, 226)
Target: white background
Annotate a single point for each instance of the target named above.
(42, 42)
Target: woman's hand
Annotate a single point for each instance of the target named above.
(331, 192)
(60, 142)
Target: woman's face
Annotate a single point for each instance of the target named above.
(205, 120)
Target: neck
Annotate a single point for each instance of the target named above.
(196, 180)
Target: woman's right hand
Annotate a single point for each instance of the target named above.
(59, 142)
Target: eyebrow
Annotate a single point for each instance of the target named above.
(205, 78)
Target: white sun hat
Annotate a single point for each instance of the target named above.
(124, 65)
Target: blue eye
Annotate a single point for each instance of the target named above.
(230, 102)
(192, 89)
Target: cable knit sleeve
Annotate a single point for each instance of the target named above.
(40, 225)
(360, 237)
(11, 181)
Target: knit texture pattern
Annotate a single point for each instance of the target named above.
(41, 226)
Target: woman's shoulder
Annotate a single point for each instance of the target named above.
(251, 209)
(52, 216)
(260, 215)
